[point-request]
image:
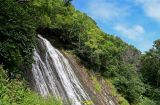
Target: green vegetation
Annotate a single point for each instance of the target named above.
(15, 92)
(17, 30)
(147, 101)
(150, 71)
(136, 78)
(114, 93)
(96, 84)
(88, 102)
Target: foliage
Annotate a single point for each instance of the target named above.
(88, 102)
(96, 84)
(14, 92)
(151, 65)
(147, 101)
(34, 99)
(127, 82)
(150, 71)
(121, 100)
(17, 35)
(132, 90)
(67, 2)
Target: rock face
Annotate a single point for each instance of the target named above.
(54, 74)
(99, 98)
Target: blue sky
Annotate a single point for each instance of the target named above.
(137, 22)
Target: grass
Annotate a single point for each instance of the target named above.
(34, 99)
(88, 102)
(96, 84)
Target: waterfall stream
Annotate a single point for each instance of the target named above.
(53, 74)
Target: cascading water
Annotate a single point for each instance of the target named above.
(53, 74)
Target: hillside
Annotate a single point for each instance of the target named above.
(134, 76)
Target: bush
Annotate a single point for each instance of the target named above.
(96, 84)
(146, 101)
(14, 92)
(17, 30)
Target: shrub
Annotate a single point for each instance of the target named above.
(96, 84)
(14, 92)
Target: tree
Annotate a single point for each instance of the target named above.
(151, 65)
(67, 2)
(157, 45)
(17, 31)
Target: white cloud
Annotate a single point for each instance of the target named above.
(135, 32)
(151, 8)
(106, 10)
(145, 45)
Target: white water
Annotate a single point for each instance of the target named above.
(54, 75)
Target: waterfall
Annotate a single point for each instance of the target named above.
(54, 75)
